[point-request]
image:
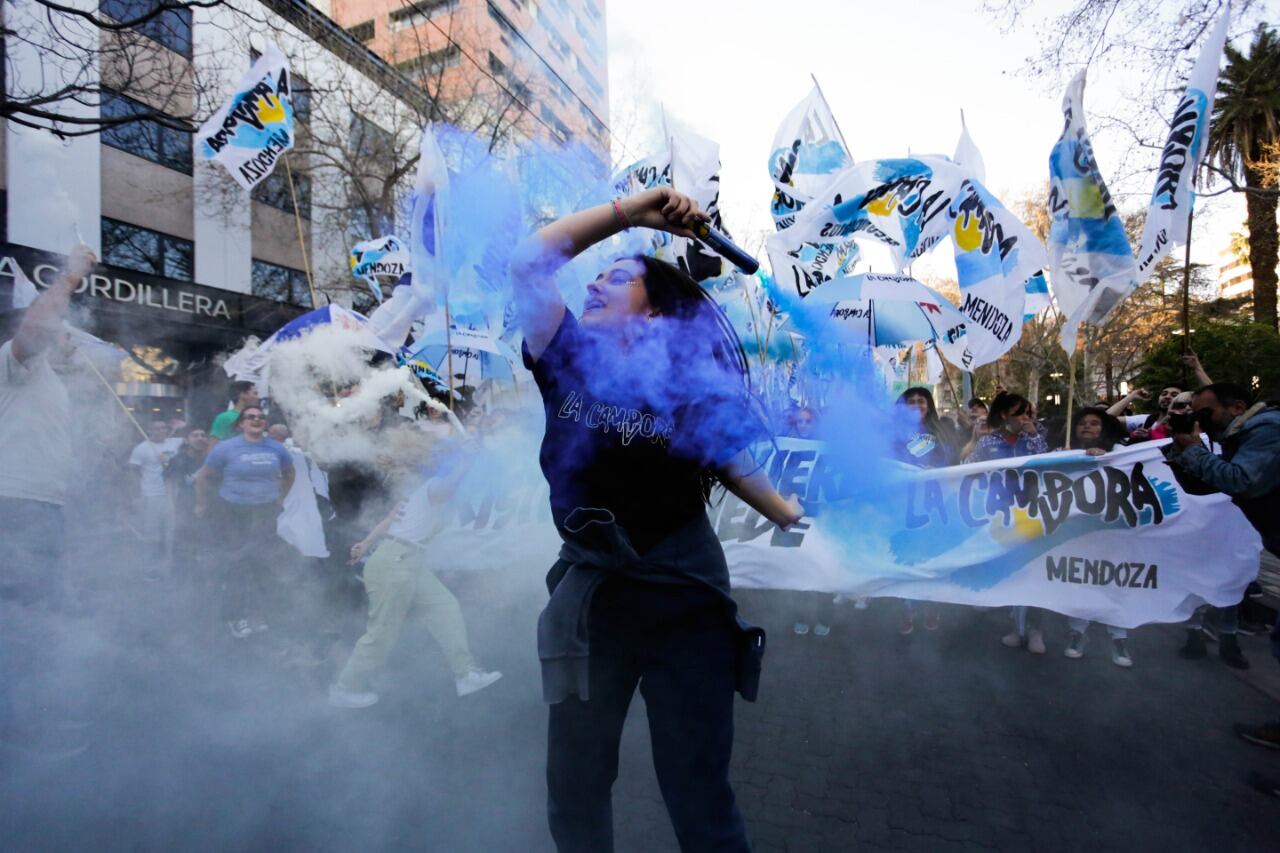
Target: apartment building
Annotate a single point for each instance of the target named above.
(1235, 276)
(542, 62)
(190, 263)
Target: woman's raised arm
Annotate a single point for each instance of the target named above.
(537, 258)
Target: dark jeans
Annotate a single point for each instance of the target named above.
(250, 533)
(31, 542)
(31, 593)
(678, 644)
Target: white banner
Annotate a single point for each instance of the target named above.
(1111, 538)
(255, 128)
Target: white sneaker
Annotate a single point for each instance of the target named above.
(476, 679)
(801, 628)
(340, 697)
(861, 603)
(1035, 642)
(1120, 654)
(239, 628)
(1013, 640)
(821, 630)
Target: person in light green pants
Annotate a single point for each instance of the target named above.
(398, 581)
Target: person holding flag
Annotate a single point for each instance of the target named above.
(647, 401)
(35, 479)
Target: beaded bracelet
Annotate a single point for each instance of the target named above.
(622, 218)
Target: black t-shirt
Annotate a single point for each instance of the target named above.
(625, 436)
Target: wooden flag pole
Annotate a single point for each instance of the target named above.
(1071, 397)
(946, 374)
(297, 220)
(448, 349)
(1186, 297)
(105, 384)
(755, 322)
(768, 333)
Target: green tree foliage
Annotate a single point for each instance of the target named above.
(1245, 353)
(1246, 122)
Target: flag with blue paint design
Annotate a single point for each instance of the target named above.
(1038, 300)
(253, 130)
(691, 165)
(1172, 198)
(808, 153)
(385, 256)
(910, 205)
(1090, 261)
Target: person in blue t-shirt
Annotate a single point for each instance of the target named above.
(647, 403)
(253, 474)
(1014, 434)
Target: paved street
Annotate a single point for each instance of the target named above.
(862, 740)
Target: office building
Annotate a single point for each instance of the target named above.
(539, 65)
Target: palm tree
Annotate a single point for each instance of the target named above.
(1246, 127)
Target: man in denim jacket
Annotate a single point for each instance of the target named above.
(1249, 471)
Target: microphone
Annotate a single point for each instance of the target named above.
(725, 248)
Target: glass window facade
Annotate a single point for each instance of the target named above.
(171, 28)
(274, 191)
(144, 138)
(283, 284)
(133, 247)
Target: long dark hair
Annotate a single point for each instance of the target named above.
(1113, 430)
(931, 422)
(1005, 405)
(675, 295)
(704, 345)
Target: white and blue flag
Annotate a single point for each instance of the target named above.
(1172, 198)
(255, 128)
(808, 153)
(1090, 261)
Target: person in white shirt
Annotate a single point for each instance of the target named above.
(35, 470)
(397, 579)
(299, 523)
(154, 518)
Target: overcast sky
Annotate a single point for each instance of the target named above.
(896, 75)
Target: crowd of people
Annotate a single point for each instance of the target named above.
(235, 504)
(1007, 427)
(289, 550)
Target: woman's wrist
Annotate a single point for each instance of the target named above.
(620, 216)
